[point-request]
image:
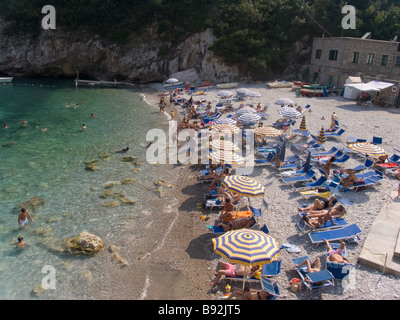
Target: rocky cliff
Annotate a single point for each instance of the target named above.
(144, 59)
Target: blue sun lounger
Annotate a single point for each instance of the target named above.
(314, 280)
(271, 287)
(303, 178)
(272, 269)
(302, 225)
(349, 232)
(338, 270)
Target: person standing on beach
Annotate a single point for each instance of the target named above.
(172, 115)
(23, 217)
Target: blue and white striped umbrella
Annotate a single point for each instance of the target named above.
(242, 90)
(225, 121)
(253, 94)
(283, 101)
(288, 112)
(225, 93)
(249, 117)
(246, 110)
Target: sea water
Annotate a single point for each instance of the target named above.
(52, 165)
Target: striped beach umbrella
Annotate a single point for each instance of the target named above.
(246, 109)
(242, 90)
(249, 117)
(225, 121)
(321, 137)
(283, 101)
(288, 112)
(224, 145)
(225, 157)
(267, 131)
(225, 93)
(367, 148)
(226, 128)
(253, 94)
(247, 247)
(303, 126)
(243, 185)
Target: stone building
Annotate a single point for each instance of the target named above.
(334, 59)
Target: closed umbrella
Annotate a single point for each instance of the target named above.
(321, 137)
(303, 126)
(243, 185)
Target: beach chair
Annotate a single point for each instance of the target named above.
(312, 185)
(267, 160)
(347, 233)
(393, 162)
(334, 134)
(272, 269)
(331, 152)
(315, 280)
(339, 270)
(367, 164)
(302, 178)
(342, 159)
(320, 193)
(271, 287)
(377, 140)
(305, 227)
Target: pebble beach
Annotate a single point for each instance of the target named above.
(185, 263)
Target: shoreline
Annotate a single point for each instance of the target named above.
(184, 266)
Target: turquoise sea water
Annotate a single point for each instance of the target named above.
(51, 165)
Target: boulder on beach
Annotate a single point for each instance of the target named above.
(92, 167)
(85, 243)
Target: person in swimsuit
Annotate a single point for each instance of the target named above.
(314, 266)
(20, 244)
(246, 294)
(336, 255)
(23, 217)
(319, 219)
(232, 270)
(320, 205)
(328, 165)
(349, 181)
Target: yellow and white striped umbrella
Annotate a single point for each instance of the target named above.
(225, 157)
(223, 145)
(247, 247)
(243, 185)
(367, 148)
(267, 131)
(226, 128)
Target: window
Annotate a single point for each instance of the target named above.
(384, 60)
(398, 61)
(333, 55)
(370, 59)
(318, 54)
(355, 57)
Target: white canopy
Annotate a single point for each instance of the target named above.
(365, 87)
(380, 84)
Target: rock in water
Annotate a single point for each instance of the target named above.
(85, 243)
(32, 204)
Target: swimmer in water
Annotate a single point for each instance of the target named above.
(44, 129)
(21, 244)
(84, 127)
(68, 105)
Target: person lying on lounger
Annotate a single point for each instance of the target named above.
(336, 255)
(319, 219)
(350, 180)
(248, 294)
(314, 266)
(320, 205)
(211, 175)
(232, 270)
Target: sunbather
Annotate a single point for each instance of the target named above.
(350, 180)
(219, 178)
(320, 205)
(328, 165)
(211, 175)
(335, 255)
(226, 217)
(314, 266)
(247, 294)
(232, 270)
(320, 218)
(381, 159)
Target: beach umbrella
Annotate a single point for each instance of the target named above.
(246, 109)
(224, 145)
(282, 152)
(307, 164)
(247, 247)
(367, 148)
(303, 126)
(283, 101)
(242, 90)
(226, 128)
(321, 137)
(225, 157)
(288, 112)
(243, 185)
(249, 117)
(171, 80)
(225, 93)
(225, 121)
(267, 131)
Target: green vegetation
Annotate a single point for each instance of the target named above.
(257, 35)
